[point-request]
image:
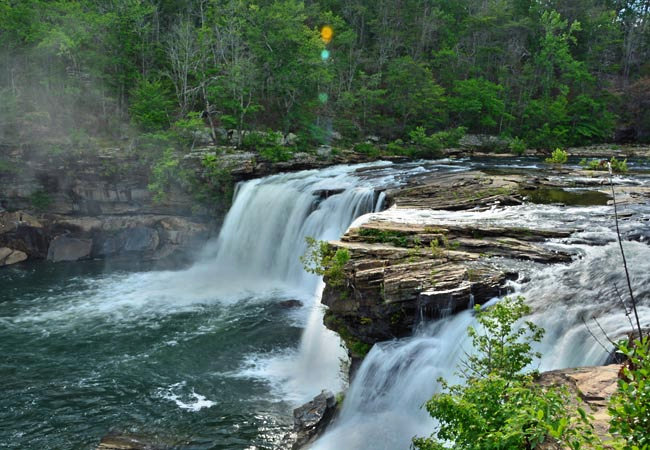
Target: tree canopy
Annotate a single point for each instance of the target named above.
(553, 73)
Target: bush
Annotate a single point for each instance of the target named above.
(40, 200)
(500, 407)
(630, 405)
(368, 149)
(517, 146)
(558, 156)
(268, 145)
(321, 259)
(430, 146)
(163, 172)
(601, 164)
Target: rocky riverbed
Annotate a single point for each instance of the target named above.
(407, 265)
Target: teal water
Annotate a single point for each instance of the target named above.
(75, 365)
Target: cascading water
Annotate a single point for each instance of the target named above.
(205, 355)
(382, 407)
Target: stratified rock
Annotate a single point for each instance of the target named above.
(591, 385)
(312, 418)
(10, 256)
(63, 248)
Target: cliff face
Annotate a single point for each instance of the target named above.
(67, 208)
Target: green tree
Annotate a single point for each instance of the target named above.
(478, 105)
(151, 105)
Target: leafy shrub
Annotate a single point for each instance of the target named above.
(500, 407)
(216, 185)
(321, 259)
(163, 172)
(276, 153)
(40, 200)
(630, 405)
(430, 146)
(601, 164)
(558, 156)
(517, 146)
(368, 149)
(268, 145)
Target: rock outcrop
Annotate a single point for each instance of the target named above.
(590, 388)
(310, 419)
(400, 273)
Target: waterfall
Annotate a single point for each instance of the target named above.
(259, 247)
(382, 409)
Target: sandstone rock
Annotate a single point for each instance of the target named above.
(311, 418)
(63, 248)
(591, 385)
(10, 256)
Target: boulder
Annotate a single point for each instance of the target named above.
(10, 256)
(312, 418)
(63, 248)
(290, 304)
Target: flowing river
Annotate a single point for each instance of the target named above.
(213, 357)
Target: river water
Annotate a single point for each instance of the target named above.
(210, 358)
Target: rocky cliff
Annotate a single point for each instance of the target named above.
(411, 262)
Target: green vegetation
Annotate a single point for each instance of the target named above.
(321, 259)
(356, 347)
(599, 164)
(500, 406)
(397, 238)
(630, 405)
(517, 146)
(40, 200)
(558, 156)
(552, 74)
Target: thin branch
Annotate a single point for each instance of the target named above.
(620, 244)
(627, 311)
(594, 336)
(604, 332)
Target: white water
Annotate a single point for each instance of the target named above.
(382, 407)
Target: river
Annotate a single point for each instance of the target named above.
(211, 357)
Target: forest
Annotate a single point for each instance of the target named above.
(547, 73)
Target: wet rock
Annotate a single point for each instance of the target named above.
(124, 442)
(312, 418)
(140, 239)
(10, 256)
(63, 248)
(290, 304)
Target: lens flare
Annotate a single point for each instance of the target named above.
(326, 34)
(325, 55)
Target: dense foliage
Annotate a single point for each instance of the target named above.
(551, 73)
(630, 406)
(499, 406)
